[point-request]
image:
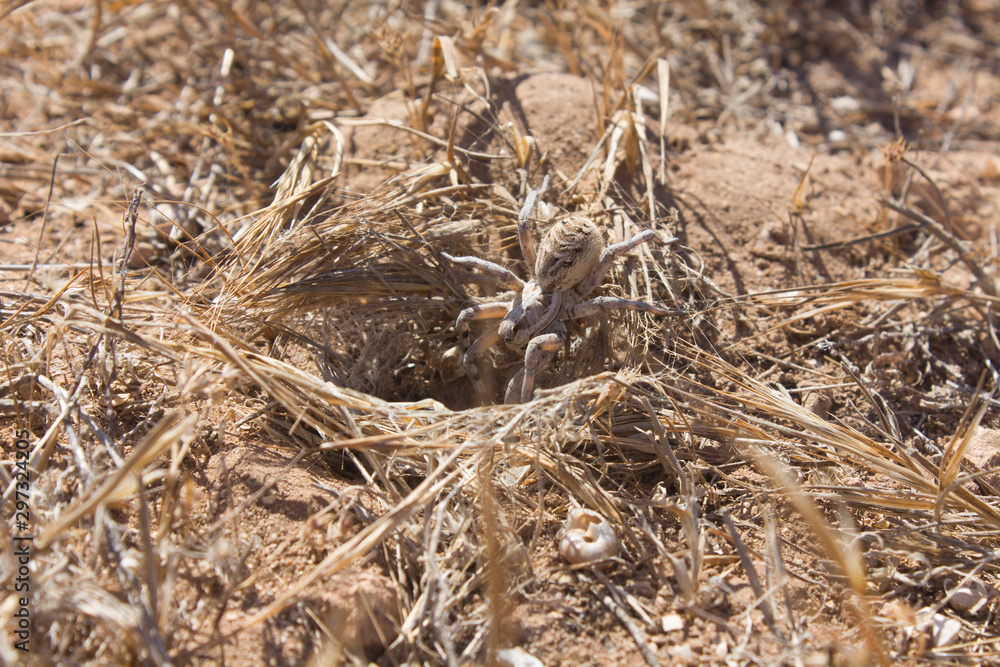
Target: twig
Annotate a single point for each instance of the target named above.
(51, 130)
(763, 602)
(110, 341)
(949, 239)
(399, 125)
(937, 191)
(774, 542)
(131, 218)
(45, 220)
(92, 31)
(862, 239)
(56, 265)
(637, 634)
(347, 62)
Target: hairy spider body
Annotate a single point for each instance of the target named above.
(571, 262)
(569, 252)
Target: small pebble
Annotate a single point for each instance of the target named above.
(517, 657)
(836, 136)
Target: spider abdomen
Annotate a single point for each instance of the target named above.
(568, 253)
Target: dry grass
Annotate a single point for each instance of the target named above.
(316, 323)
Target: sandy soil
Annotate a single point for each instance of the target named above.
(779, 142)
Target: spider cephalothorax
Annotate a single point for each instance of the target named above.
(572, 259)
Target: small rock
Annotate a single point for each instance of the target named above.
(845, 104)
(969, 598)
(983, 453)
(818, 402)
(792, 138)
(360, 610)
(944, 630)
(681, 653)
(142, 255)
(517, 657)
(672, 621)
(836, 136)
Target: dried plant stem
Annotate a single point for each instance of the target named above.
(937, 229)
(45, 219)
(166, 432)
(641, 641)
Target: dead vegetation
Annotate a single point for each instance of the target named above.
(252, 440)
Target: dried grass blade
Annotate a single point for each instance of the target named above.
(166, 432)
(951, 460)
(663, 81)
(846, 558)
(763, 602)
(370, 536)
(799, 198)
(973, 263)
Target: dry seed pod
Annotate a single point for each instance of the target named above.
(587, 536)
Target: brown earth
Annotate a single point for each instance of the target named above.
(777, 191)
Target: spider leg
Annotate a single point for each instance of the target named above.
(503, 276)
(483, 311)
(513, 393)
(524, 224)
(540, 352)
(482, 382)
(597, 304)
(608, 256)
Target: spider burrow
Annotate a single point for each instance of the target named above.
(571, 261)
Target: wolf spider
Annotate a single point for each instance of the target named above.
(571, 262)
